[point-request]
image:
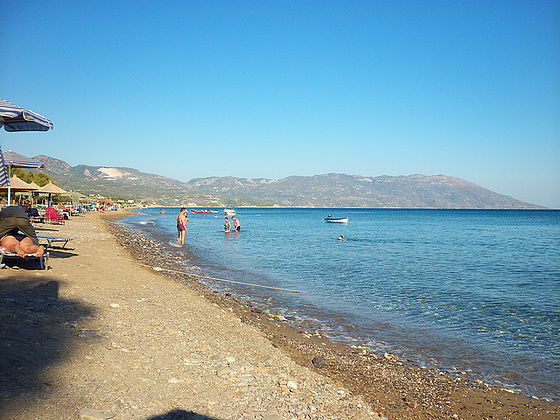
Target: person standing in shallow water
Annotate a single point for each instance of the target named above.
(227, 225)
(236, 224)
(182, 220)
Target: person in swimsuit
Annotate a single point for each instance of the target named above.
(227, 226)
(14, 219)
(182, 221)
(236, 224)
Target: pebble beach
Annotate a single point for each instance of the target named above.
(113, 330)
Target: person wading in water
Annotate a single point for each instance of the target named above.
(182, 221)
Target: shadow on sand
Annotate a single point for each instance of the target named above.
(35, 333)
(61, 253)
(181, 415)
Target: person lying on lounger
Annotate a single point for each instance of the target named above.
(13, 219)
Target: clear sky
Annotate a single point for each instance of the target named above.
(270, 89)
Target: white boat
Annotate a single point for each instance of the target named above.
(229, 212)
(331, 219)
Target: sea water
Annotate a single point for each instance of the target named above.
(472, 292)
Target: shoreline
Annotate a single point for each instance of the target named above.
(358, 208)
(392, 386)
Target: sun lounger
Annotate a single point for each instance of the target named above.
(51, 239)
(34, 215)
(53, 216)
(42, 260)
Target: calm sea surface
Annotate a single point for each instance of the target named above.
(472, 292)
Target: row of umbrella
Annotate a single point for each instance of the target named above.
(20, 185)
(14, 118)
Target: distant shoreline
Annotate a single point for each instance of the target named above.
(351, 208)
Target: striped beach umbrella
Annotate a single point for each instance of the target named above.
(4, 177)
(14, 118)
(15, 160)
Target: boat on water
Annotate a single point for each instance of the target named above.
(229, 212)
(331, 219)
(201, 211)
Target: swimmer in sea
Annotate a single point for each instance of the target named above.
(182, 221)
(341, 238)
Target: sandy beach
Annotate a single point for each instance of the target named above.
(113, 330)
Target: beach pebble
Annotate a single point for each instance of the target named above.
(292, 385)
(318, 361)
(223, 371)
(412, 404)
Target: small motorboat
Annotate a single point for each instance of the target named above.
(331, 219)
(229, 212)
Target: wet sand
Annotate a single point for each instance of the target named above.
(104, 333)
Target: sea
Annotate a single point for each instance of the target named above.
(475, 293)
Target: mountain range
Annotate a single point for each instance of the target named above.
(328, 190)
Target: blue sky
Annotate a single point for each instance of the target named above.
(271, 89)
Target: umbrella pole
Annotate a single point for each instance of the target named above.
(9, 186)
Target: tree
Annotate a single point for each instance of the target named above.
(40, 178)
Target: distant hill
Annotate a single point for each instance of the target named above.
(329, 190)
(341, 190)
(124, 182)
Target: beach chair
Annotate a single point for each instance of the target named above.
(52, 239)
(53, 216)
(34, 215)
(29, 261)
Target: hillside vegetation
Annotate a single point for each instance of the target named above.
(329, 190)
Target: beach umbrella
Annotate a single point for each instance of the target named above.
(15, 160)
(77, 197)
(17, 184)
(15, 118)
(4, 177)
(50, 189)
(36, 188)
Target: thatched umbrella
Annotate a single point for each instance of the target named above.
(50, 189)
(77, 197)
(17, 184)
(36, 189)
